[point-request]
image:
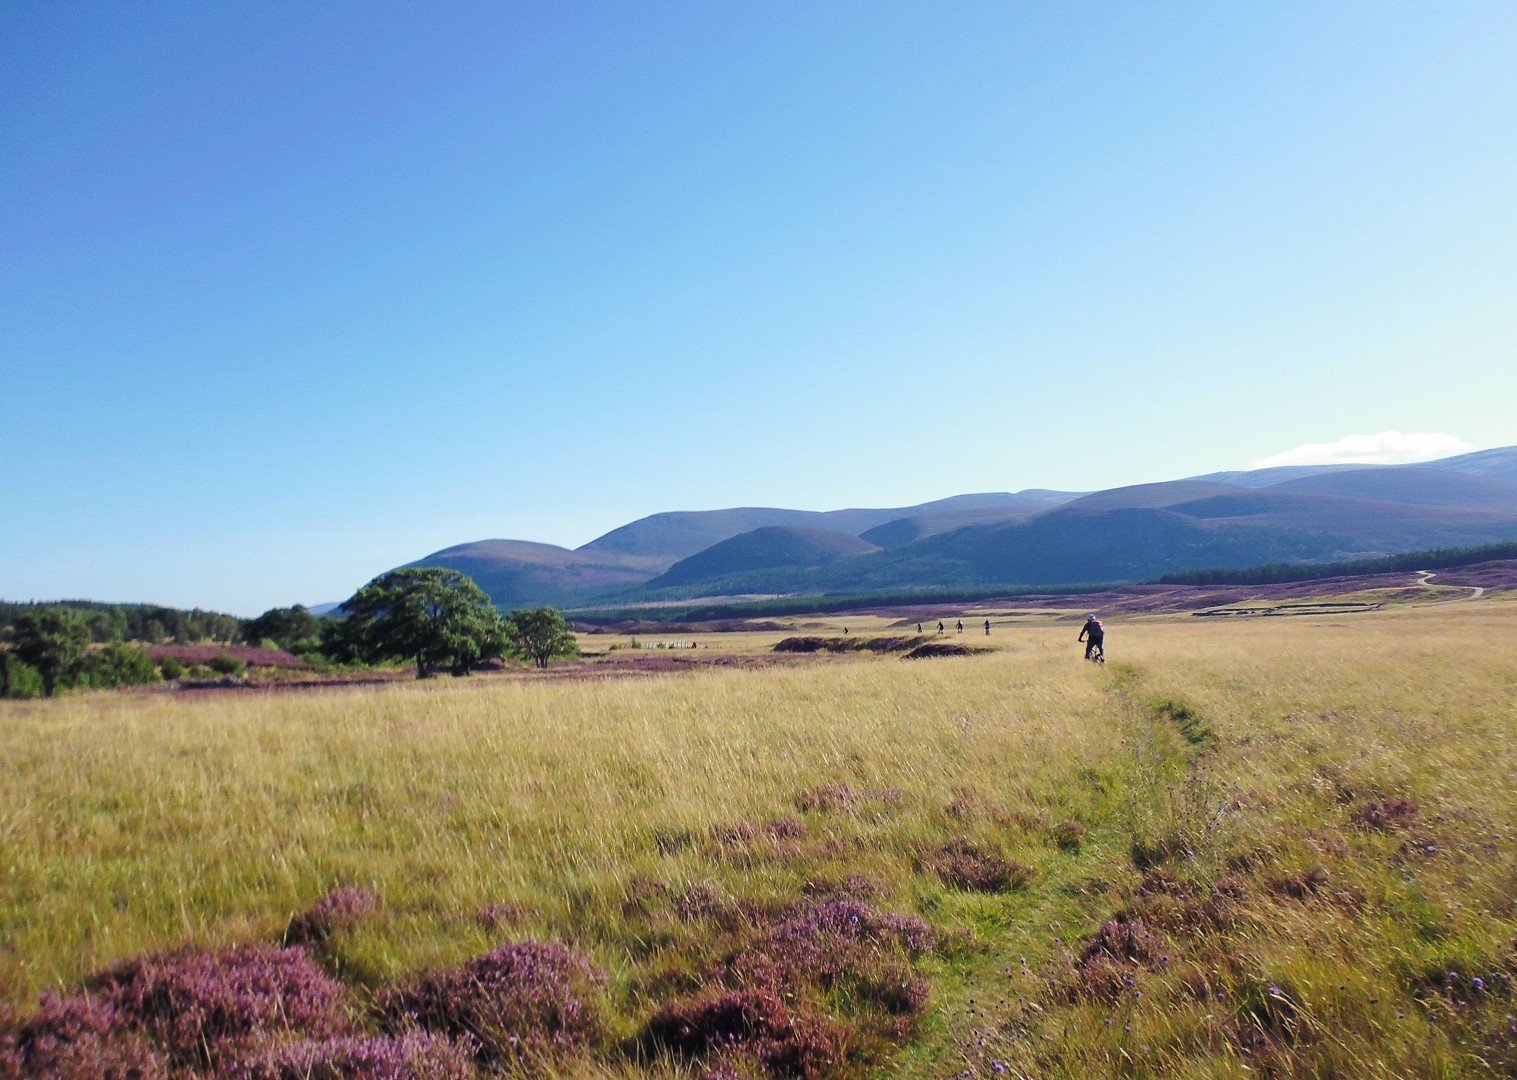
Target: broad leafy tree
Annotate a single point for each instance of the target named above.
(539, 635)
(288, 627)
(52, 640)
(437, 618)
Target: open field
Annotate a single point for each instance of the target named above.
(1247, 845)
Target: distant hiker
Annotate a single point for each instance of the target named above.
(1094, 636)
(987, 627)
(919, 628)
(845, 631)
(940, 626)
(961, 626)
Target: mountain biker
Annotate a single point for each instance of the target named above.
(1094, 636)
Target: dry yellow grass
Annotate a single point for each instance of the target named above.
(135, 822)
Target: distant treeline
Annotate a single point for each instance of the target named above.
(139, 622)
(806, 605)
(1279, 573)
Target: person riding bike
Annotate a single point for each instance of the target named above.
(1094, 636)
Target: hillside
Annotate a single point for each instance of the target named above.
(772, 548)
(517, 573)
(1292, 514)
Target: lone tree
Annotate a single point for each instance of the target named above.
(52, 641)
(438, 618)
(539, 635)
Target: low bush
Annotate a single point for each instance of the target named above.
(338, 910)
(965, 865)
(410, 1056)
(525, 1004)
(226, 664)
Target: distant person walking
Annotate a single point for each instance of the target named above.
(940, 626)
(961, 626)
(1094, 636)
(987, 627)
(919, 628)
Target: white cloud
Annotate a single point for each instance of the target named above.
(1386, 448)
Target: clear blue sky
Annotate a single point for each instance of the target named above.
(291, 293)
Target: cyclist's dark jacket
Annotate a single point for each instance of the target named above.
(1094, 629)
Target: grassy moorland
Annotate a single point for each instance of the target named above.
(1278, 846)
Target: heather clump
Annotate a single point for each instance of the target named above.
(772, 1000)
(340, 909)
(196, 1005)
(840, 945)
(1069, 836)
(1108, 965)
(752, 1025)
(746, 843)
(858, 887)
(410, 1055)
(527, 1002)
(1385, 815)
(77, 1038)
(965, 865)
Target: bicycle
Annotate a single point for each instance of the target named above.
(1097, 653)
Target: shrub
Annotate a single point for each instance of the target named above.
(965, 866)
(413, 1055)
(338, 910)
(226, 664)
(78, 1038)
(120, 665)
(748, 1023)
(1069, 836)
(197, 1004)
(18, 679)
(523, 1003)
(171, 669)
(1386, 815)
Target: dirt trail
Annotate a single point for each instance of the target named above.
(1476, 591)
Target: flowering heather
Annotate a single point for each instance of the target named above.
(193, 1004)
(744, 842)
(755, 1024)
(860, 887)
(520, 1002)
(826, 799)
(830, 798)
(1305, 886)
(965, 866)
(699, 902)
(840, 945)
(1123, 938)
(77, 1038)
(1386, 815)
(338, 910)
(409, 1056)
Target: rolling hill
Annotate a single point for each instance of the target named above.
(1292, 514)
(771, 548)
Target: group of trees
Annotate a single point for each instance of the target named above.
(150, 623)
(438, 619)
(48, 648)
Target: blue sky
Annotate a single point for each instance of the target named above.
(290, 293)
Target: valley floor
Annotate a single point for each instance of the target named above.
(1244, 846)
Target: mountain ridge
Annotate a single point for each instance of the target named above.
(1036, 536)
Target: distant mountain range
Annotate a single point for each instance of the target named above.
(1309, 513)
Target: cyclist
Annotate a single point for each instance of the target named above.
(1094, 636)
